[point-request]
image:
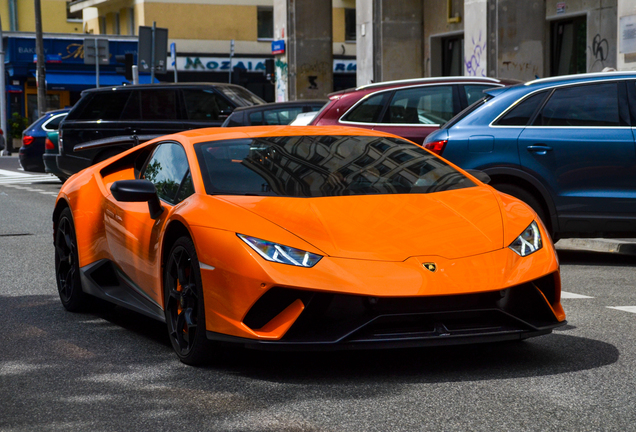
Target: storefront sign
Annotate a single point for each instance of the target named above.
(49, 58)
(627, 34)
(249, 64)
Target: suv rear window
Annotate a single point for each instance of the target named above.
(522, 113)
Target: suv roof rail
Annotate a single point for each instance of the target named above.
(429, 79)
(581, 76)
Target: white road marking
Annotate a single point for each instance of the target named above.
(12, 177)
(569, 295)
(631, 309)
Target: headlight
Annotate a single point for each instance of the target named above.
(281, 254)
(528, 242)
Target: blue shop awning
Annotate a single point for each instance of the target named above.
(82, 81)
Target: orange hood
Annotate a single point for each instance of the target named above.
(450, 224)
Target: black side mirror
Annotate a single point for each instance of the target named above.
(138, 191)
(479, 175)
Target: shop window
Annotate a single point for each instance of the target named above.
(72, 16)
(350, 25)
(102, 25)
(452, 55)
(265, 22)
(116, 24)
(567, 46)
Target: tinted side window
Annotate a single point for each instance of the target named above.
(369, 110)
(523, 112)
(421, 105)
(204, 104)
(105, 106)
(281, 116)
(586, 105)
(256, 118)
(167, 169)
(158, 104)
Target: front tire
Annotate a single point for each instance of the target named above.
(67, 273)
(184, 309)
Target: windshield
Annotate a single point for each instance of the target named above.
(322, 166)
(240, 96)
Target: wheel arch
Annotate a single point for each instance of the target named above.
(59, 208)
(174, 231)
(530, 184)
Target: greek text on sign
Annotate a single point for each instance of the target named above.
(249, 64)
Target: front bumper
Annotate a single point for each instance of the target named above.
(341, 321)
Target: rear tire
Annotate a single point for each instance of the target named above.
(183, 306)
(67, 272)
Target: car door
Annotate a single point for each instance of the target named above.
(133, 236)
(415, 112)
(582, 147)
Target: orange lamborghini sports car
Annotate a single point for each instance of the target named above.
(304, 238)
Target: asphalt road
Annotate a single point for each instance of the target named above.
(114, 370)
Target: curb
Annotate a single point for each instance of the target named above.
(599, 245)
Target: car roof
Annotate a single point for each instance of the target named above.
(582, 77)
(282, 104)
(160, 86)
(430, 80)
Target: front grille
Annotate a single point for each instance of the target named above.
(330, 317)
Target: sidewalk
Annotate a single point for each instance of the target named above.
(619, 246)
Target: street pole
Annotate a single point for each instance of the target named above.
(39, 52)
(96, 64)
(152, 54)
(3, 97)
(135, 73)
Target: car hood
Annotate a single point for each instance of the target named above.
(451, 224)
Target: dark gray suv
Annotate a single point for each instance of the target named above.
(108, 120)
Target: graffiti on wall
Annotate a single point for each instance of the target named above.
(475, 65)
(281, 80)
(600, 51)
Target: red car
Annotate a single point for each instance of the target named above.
(409, 108)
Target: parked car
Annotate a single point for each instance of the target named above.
(2, 140)
(277, 113)
(565, 145)
(33, 137)
(409, 108)
(50, 155)
(388, 246)
(108, 120)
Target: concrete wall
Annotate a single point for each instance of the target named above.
(309, 49)
(520, 47)
(601, 30)
(437, 26)
(476, 38)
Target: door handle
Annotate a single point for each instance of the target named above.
(539, 149)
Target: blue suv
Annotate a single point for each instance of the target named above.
(564, 145)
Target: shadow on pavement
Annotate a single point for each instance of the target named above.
(576, 257)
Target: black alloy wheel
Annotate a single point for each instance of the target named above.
(67, 273)
(185, 315)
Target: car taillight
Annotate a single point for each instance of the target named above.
(48, 145)
(27, 140)
(436, 147)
